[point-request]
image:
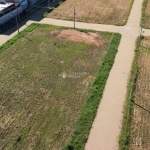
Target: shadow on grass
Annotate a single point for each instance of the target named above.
(140, 106)
(26, 37)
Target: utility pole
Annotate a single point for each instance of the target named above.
(141, 31)
(74, 17)
(18, 14)
(17, 20)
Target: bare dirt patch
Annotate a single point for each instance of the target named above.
(76, 36)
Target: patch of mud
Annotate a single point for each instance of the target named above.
(76, 36)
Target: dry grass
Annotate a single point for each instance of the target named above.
(98, 11)
(38, 107)
(145, 22)
(140, 127)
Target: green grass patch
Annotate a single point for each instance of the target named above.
(39, 108)
(144, 15)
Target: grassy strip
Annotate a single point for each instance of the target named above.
(143, 18)
(84, 123)
(10, 42)
(126, 124)
(126, 19)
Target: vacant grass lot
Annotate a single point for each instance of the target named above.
(39, 103)
(145, 21)
(98, 11)
(140, 126)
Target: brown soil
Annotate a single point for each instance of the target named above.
(76, 36)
